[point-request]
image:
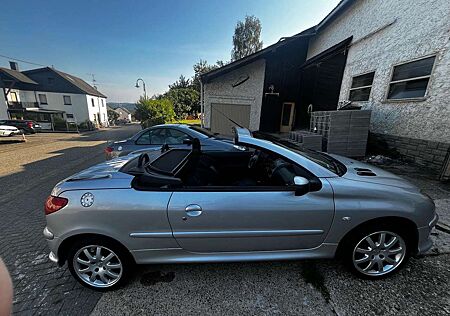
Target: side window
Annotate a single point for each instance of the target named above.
(144, 139)
(151, 137)
(175, 137)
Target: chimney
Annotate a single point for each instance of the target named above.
(14, 66)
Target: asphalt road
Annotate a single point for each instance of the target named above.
(28, 172)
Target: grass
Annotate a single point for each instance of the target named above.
(190, 122)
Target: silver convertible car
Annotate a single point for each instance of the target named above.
(263, 202)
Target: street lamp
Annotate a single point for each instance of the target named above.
(143, 85)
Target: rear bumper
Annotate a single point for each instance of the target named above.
(53, 243)
(424, 241)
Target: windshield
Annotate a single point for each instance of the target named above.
(319, 158)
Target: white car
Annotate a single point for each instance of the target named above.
(6, 130)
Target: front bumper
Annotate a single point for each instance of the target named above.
(424, 241)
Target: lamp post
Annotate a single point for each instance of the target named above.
(143, 85)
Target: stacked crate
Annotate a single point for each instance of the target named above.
(307, 140)
(345, 132)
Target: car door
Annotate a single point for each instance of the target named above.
(250, 219)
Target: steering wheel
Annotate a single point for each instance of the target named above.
(254, 159)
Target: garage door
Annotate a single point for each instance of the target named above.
(222, 113)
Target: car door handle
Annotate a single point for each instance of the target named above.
(193, 210)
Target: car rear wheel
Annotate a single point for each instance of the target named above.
(98, 264)
(376, 253)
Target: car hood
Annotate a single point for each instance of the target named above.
(364, 172)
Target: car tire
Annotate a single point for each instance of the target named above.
(377, 251)
(99, 264)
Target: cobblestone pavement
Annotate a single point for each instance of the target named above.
(313, 287)
(28, 171)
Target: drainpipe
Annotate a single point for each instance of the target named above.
(202, 109)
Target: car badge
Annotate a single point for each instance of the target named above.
(87, 199)
(119, 148)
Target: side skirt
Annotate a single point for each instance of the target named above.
(178, 255)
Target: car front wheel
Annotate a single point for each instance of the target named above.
(98, 264)
(376, 253)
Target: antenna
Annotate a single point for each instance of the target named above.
(94, 82)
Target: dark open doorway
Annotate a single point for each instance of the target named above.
(320, 82)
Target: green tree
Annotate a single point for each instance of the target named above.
(182, 82)
(203, 67)
(112, 115)
(246, 38)
(152, 112)
(185, 101)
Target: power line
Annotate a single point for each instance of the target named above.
(22, 61)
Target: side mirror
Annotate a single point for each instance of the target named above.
(301, 186)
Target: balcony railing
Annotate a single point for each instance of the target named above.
(22, 105)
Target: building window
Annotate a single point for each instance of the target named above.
(42, 98)
(67, 100)
(69, 115)
(92, 101)
(103, 103)
(410, 80)
(361, 87)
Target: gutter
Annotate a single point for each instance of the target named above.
(202, 108)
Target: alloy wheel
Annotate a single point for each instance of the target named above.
(97, 266)
(379, 253)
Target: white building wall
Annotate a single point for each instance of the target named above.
(220, 90)
(421, 28)
(97, 105)
(81, 106)
(55, 101)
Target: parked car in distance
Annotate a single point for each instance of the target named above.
(6, 130)
(24, 126)
(172, 135)
(264, 202)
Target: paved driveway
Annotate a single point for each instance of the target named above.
(29, 171)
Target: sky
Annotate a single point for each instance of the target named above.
(121, 41)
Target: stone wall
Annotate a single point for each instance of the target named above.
(221, 90)
(431, 154)
(386, 33)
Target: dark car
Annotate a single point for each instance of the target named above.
(24, 126)
(170, 135)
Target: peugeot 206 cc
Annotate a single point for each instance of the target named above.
(262, 202)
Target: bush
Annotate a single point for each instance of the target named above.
(86, 126)
(154, 112)
(59, 124)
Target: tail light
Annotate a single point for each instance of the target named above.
(30, 124)
(54, 204)
(108, 150)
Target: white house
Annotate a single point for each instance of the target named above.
(392, 57)
(46, 93)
